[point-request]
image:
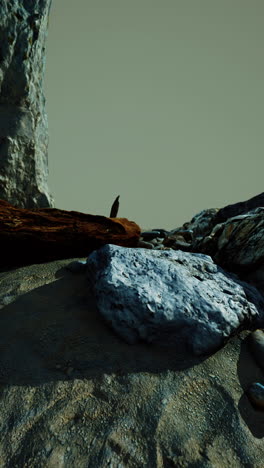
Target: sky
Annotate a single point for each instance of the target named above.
(160, 102)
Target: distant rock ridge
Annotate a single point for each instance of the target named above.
(171, 297)
(239, 208)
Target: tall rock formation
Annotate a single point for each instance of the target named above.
(23, 120)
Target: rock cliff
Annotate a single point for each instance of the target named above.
(23, 120)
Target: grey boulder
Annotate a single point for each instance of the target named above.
(170, 297)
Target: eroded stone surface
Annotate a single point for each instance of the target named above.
(230, 211)
(238, 243)
(23, 120)
(169, 297)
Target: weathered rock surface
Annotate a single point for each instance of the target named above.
(239, 208)
(23, 120)
(38, 235)
(167, 297)
(200, 224)
(181, 237)
(238, 243)
(74, 394)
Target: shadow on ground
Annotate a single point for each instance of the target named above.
(54, 332)
(248, 372)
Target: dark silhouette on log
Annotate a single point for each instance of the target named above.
(115, 207)
(46, 234)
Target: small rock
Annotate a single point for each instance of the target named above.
(157, 241)
(162, 232)
(69, 371)
(256, 345)
(148, 235)
(77, 266)
(176, 242)
(145, 245)
(181, 246)
(255, 394)
(187, 234)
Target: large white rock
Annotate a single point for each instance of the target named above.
(168, 297)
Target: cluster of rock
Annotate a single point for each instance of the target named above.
(186, 286)
(23, 120)
(179, 238)
(233, 236)
(172, 289)
(74, 392)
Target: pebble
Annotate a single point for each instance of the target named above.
(145, 245)
(163, 232)
(77, 266)
(157, 238)
(160, 239)
(186, 233)
(256, 344)
(182, 245)
(149, 235)
(255, 394)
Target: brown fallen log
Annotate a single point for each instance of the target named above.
(46, 234)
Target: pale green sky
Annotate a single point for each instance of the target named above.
(158, 101)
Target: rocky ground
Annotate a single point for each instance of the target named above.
(74, 394)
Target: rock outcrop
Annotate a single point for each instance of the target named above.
(238, 243)
(23, 120)
(74, 394)
(171, 297)
(45, 234)
(239, 208)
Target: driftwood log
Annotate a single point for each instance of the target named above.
(46, 234)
